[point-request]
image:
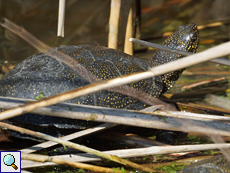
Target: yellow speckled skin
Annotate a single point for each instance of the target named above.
(41, 73)
(177, 41)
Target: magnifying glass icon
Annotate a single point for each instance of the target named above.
(9, 160)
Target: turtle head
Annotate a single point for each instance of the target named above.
(185, 38)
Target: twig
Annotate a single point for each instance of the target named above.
(190, 86)
(214, 52)
(78, 111)
(41, 158)
(61, 18)
(209, 25)
(157, 46)
(114, 23)
(158, 119)
(75, 146)
(219, 139)
(137, 152)
(128, 48)
(168, 49)
(68, 137)
(21, 32)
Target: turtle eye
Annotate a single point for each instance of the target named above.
(193, 36)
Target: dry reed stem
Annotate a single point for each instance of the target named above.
(114, 23)
(219, 139)
(68, 137)
(41, 158)
(61, 18)
(137, 152)
(21, 32)
(172, 50)
(128, 48)
(75, 146)
(63, 110)
(141, 119)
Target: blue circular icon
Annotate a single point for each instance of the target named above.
(9, 161)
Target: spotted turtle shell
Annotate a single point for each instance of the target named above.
(42, 74)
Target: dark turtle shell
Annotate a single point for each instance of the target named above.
(42, 74)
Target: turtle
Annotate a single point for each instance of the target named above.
(42, 74)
